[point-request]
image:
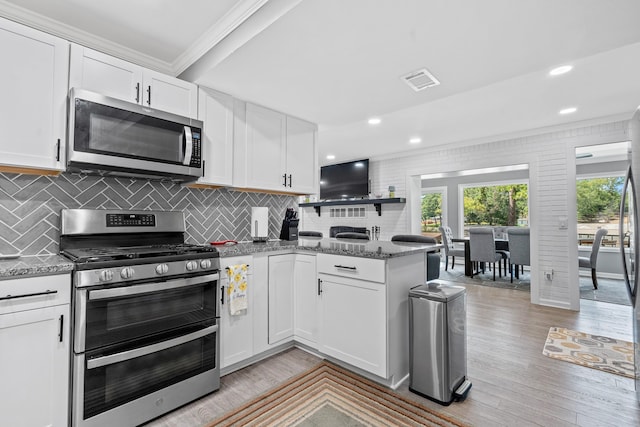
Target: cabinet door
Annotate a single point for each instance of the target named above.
(104, 74)
(281, 269)
(166, 93)
(33, 84)
(353, 326)
(302, 168)
(265, 151)
(305, 291)
(34, 367)
(215, 109)
(236, 332)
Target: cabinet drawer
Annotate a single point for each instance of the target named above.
(34, 292)
(355, 267)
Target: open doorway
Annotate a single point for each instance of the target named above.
(600, 174)
(496, 197)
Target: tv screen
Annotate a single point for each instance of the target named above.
(345, 180)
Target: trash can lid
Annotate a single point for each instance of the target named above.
(437, 290)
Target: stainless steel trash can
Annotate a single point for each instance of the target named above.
(438, 341)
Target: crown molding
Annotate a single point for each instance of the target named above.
(235, 17)
(59, 29)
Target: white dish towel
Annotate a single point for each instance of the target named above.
(237, 289)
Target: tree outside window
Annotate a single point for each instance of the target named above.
(496, 205)
(431, 212)
(598, 206)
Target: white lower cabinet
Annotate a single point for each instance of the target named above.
(306, 294)
(353, 322)
(281, 280)
(34, 351)
(236, 332)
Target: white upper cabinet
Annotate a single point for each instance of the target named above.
(33, 84)
(275, 152)
(302, 165)
(120, 79)
(215, 109)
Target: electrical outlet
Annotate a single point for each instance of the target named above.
(548, 275)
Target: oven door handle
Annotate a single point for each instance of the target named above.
(111, 359)
(125, 291)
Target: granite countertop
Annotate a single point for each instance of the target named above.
(34, 266)
(381, 249)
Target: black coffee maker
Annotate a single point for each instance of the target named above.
(289, 225)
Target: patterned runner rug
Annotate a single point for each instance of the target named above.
(328, 395)
(593, 351)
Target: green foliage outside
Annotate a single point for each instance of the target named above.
(598, 198)
(431, 212)
(496, 205)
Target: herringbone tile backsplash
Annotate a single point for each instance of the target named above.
(30, 208)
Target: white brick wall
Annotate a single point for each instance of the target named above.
(551, 159)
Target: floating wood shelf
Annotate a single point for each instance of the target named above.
(377, 203)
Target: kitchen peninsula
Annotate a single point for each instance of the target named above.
(340, 298)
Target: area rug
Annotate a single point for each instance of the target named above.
(328, 395)
(593, 351)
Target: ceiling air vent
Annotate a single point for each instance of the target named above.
(420, 79)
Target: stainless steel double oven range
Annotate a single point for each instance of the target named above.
(145, 310)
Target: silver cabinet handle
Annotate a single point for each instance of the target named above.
(319, 286)
(154, 348)
(151, 287)
(346, 267)
(138, 92)
(37, 294)
(149, 97)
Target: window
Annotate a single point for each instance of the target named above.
(499, 204)
(598, 206)
(433, 210)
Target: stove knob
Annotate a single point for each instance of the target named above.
(192, 265)
(205, 263)
(106, 276)
(162, 268)
(127, 273)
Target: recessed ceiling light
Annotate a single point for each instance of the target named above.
(374, 121)
(561, 70)
(415, 140)
(330, 157)
(568, 110)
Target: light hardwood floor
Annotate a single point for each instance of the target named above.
(513, 383)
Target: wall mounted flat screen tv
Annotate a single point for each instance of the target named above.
(345, 181)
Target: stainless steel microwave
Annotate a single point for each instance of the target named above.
(109, 136)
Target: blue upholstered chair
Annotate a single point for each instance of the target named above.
(449, 248)
(482, 246)
(591, 261)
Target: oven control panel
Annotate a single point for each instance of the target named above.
(131, 220)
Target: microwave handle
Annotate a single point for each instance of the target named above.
(188, 148)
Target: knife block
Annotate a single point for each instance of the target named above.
(289, 229)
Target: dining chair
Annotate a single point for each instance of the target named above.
(591, 260)
(449, 248)
(433, 258)
(309, 234)
(519, 248)
(482, 247)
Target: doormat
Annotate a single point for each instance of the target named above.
(330, 395)
(593, 351)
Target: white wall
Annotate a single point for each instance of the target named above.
(551, 159)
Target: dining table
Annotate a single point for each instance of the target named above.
(501, 245)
